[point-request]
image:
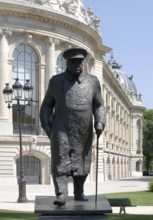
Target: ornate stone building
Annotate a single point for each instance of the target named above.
(33, 36)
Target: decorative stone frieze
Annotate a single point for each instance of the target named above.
(74, 28)
(73, 8)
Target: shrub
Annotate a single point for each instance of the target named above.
(150, 185)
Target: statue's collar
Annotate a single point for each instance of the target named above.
(70, 77)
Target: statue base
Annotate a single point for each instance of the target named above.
(76, 210)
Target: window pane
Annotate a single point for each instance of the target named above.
(25, 66)
(61, 64)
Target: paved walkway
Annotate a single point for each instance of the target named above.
(9, 194)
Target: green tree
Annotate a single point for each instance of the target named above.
(148, 138)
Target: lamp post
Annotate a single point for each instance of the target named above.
(9, 96)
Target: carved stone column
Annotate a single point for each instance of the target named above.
(98, 68)
(3, 69)
(42, 87)
(50, 59)
(4, 73)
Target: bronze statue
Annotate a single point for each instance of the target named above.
(72, 99)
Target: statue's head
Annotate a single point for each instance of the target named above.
(75, 57)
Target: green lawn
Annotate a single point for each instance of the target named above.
(15, 215)
(129, 217)
(142, 198)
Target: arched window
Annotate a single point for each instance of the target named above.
(25, 66)
(32, 169)
(138, 136)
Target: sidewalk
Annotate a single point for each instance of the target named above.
(9, 194)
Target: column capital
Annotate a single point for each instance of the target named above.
(5, 32)
(42, 66)
(52, 41)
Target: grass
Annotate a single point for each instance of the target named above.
(142, 198)
(129, 217)
(15, 215)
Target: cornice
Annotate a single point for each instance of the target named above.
(116, 153)
(14, 139)
(55, 19)
(106, 49)
(139, 109)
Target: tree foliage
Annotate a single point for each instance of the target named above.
(148, 137)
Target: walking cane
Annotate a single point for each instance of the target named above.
(97, 146)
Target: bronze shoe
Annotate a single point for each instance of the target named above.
(60, 200)
(81, 197)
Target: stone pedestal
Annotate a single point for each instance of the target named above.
(76, 210)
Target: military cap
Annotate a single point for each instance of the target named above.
(74, 53)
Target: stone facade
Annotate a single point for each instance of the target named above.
(33, 35)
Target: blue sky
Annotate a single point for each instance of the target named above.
(127, 27)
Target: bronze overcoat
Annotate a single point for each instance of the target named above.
(68, 108)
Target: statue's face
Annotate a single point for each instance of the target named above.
(75, 66)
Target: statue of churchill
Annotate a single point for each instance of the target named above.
(72, 99)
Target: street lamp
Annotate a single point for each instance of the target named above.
(16, 94)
